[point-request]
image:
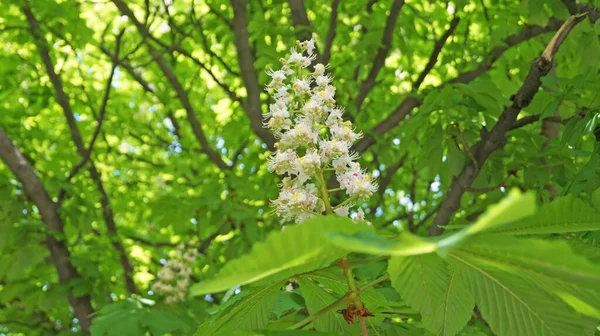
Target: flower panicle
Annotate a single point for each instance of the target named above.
(312, 138)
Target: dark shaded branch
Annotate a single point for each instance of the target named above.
(63, 101)
(530, 119)
(400, 113)
(411, 102)
(99, 121)
(527, 33)
(489, 189)
(386, 45)
(150, 243)
(496, 138)
(220, 15)
(246, 59)
(148, 87)
(324, 59)
(571, 6)
(59, 253)
(212, 54)
(205, 244)
(439, 44)
(385, 181)
(179, 90)
(300, 21)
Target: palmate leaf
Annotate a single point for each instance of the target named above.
(513, 306)
(296, 249)
(317, 298)
(250, 313)
(512, 208)
(549, 265)
(566, 214)
(370, 242)
(283, 333)
(441, 295)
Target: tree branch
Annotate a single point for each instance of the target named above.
(496, 138)
(59, 253)
(379, 60)
(252, 106)
(63, 101)
(99, 121)
(411, 102)
(439, 44)
(331, 32)
(181, 93)
(301, 22)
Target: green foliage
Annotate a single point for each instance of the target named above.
(132, 317)
(508, 263)
(441, 295)
(306, 249)
(566, 214)
(316, 299)
(249, 313)
(513, 306)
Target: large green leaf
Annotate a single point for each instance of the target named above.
(250, 313)
(283, 333)
(512, 306)
(316, 299)
(566, 214)
(133, 317)
(370, 242)
(296, 249)
(441, 295)
(512, 208)
(549, 265)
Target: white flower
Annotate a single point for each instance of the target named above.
(296, 59)
(277, 78)
(323, 80)
(319, 70)
(360, 215)
(343, 132)
(309, 164)
(343, 211)
(283, 162)
(357, 184)
(313, 139)
(301, 86)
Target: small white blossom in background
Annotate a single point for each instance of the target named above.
(313, 139)
(174, 278)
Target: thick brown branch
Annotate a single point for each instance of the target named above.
(496, 138)
(246, 60)
(439, 44)
(100, 120)
(527, 33)
(324, 58)
(300, 21)
(386, 45)
(411, 102)
(177, 86)
(205, 244)
(59, 253)
(63, 101)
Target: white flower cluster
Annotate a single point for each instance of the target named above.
(312, 139)
(174, 278)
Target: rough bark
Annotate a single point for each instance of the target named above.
(246, 60)
(63, 101)
(59, 253)
(496, 138)
(182, 95)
